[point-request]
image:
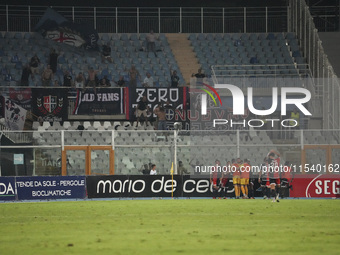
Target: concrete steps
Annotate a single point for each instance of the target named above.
(184, 55)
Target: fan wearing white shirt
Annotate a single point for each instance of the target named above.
(148, 81)
(153, 170)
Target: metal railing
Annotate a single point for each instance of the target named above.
(161, 20)
(169, 19)
(265, 77)
(326, 18)
(328, 91)
(269, 71)
(132, 149)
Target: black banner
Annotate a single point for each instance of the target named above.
(106, 101)
(50, 104)
(132, 186)
(196, 187)
(177, 98)
(184, 106)
(116, 186)
(119, 186)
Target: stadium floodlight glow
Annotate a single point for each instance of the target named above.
(238, 100)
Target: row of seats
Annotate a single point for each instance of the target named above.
(248, 80)
(126, 51)
(193, 147)
(262, 52)
(319, 137)
(90, 125)
(318, 156)
(130, 160)
(235, 50)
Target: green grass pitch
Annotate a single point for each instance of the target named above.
(197, 226)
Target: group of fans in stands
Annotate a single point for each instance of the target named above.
(49, 74)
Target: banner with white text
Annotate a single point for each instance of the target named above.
(50, 187)
(100, 101)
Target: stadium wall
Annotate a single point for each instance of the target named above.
(118, 187)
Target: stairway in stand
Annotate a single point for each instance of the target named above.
(184, 55)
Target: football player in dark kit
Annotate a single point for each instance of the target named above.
(286, 178)
(214, 178)
(274, 174)
(263, 178)
(225, 180)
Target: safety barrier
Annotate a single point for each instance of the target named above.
(143, 186)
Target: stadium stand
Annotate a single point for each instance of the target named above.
(266, 55)
(127, 49)
(246, 55)
(134, 149)
(227, 57)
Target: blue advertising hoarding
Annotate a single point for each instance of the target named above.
(50, 187)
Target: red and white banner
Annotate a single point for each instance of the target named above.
(65, 37)
(316, 186)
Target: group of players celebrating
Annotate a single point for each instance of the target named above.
(272, 179)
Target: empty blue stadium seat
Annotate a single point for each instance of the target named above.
(201, 37)
(124, 37)
(270, 36)
(296, 54)
(105, 38)
(210, 37)
(290, 36)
